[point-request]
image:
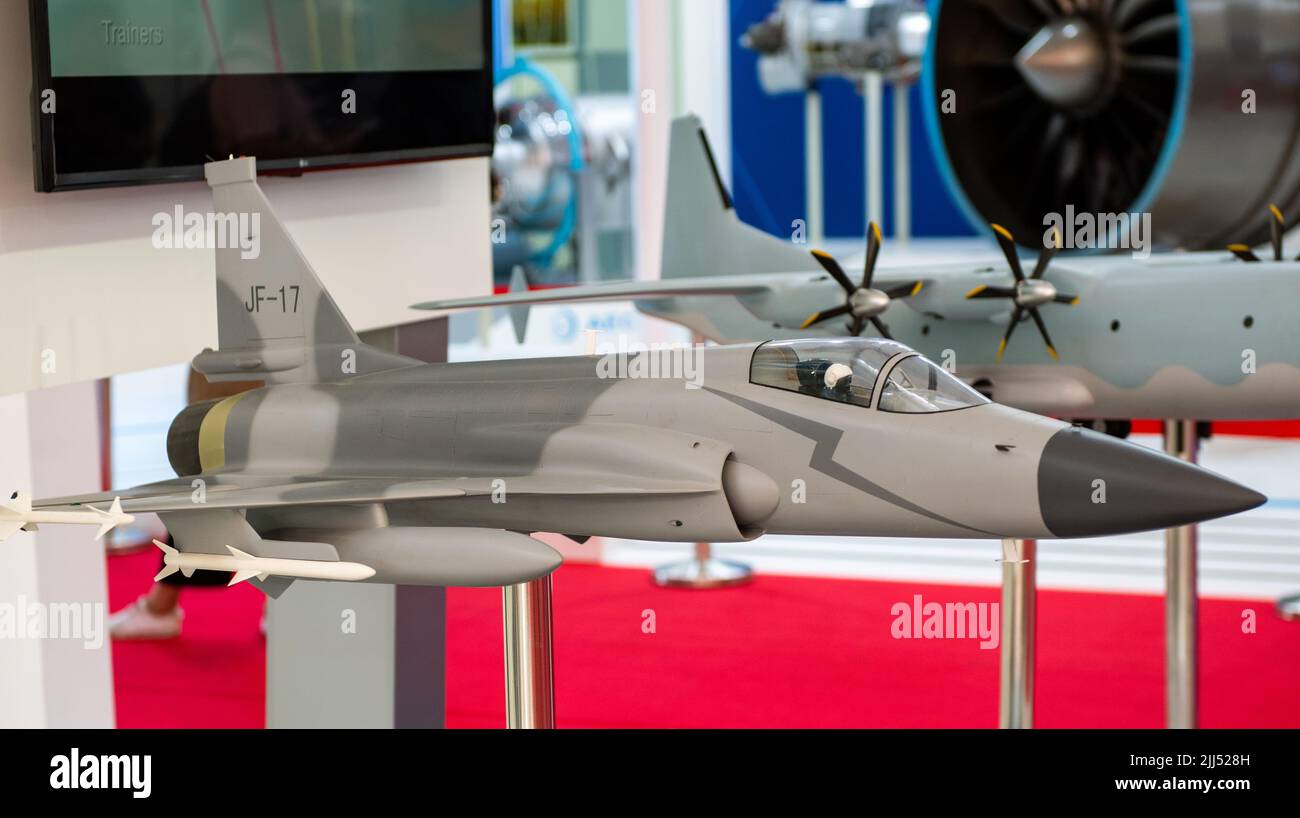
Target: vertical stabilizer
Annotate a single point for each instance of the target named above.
(275, 321)
(703, 236)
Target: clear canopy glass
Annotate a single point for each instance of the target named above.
(839, 369)
(847, 370)
(917, 385)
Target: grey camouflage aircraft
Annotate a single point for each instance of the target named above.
(354, 464)
(1195, 335)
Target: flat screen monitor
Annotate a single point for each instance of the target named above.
(142, 91)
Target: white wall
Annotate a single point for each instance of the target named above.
(79, 275)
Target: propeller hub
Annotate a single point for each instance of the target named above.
(1065, 62)
(868, 302)
(1034, 292)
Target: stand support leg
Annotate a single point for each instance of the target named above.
(530, 674)
(1181, 441)
(1016, 680)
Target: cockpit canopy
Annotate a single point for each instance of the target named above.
(847, 370)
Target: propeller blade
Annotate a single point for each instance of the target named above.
(986, 291)
(1015, 320)
(1008, 245)
(905, 290)
(881, 328)
(873, 253)
(1045, 257)
(1042, 328)
(826, 315)
(830, 265)
(856, 327)
(1276, 227)
(1242, 252)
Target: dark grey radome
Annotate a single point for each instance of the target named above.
(1143, 489)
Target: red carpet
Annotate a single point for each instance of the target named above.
(783, 652)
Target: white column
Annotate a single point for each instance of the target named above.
(652, 88)
(50, 444)
(703, 65)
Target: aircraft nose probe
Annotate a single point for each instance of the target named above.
(1092, 485)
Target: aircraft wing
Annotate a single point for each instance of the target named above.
(244, 491)
(614, 291)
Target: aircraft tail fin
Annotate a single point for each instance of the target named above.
(275, 320)
(703, 236)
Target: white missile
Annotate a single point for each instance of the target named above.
(246, 566)
(16, 515)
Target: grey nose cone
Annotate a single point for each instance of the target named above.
(1091, 485)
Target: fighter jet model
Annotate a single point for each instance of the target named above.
(1196, 335)
(357, 465)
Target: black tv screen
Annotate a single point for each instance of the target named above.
(141, 91)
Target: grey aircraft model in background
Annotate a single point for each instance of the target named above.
(354, 464)
(1197, 335)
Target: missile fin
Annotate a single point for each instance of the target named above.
(167, 571)
(240, 554)
(10, 527)
(244, 576)
(166, 549)
(107, 526)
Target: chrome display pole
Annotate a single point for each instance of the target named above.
(813, 173)
(902, 167)
(873, 101)
(530, 674)
(703, 571)
(1181, 441)
(1288, 607)
(1016, 679)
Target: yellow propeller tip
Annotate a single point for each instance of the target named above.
(981, 288)
(1074, 302)
(875, 231)
(920, 285)
(1234, 248)
(1052, 351)
(821, 254)
(812, 319)
(1002, 231)
(1002, 348)
(1277, 214)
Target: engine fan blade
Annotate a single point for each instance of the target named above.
(1243, 252)
(1008, 245)
(873, 253)
(830, 265)
(826, 315)
(905, 290)
(1016, 317)
(1275, 228)
(1042, 329)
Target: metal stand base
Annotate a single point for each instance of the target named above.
(530, 672)
(1288, 607)
(1016, 677)
(1181, 441)
(703, 571)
